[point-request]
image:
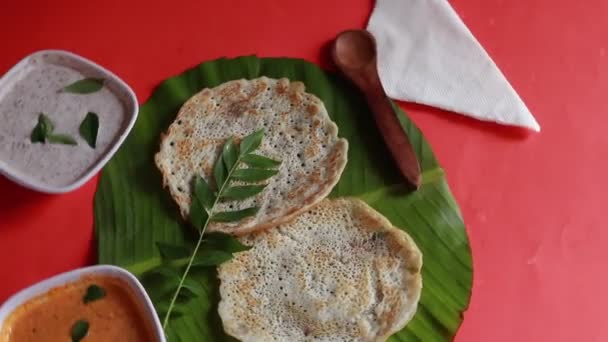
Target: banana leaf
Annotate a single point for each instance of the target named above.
(133, 213)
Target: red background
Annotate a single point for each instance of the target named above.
(532, 202)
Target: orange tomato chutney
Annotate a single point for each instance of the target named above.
(118, 316)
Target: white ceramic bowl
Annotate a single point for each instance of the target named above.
(104, 270)
(91, 69)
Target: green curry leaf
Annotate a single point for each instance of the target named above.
(61, 139)
(43, 128)
(229, 154)
(94, 292)
(251, 142)
(258, 161)
(231, 216)
(43, 132)
(224, 242)
(219, 173)
(253, 174)
(171, 252)
(194, 286)
(80, 329)
(203, 192)
(206, 258)
(88, 129)
(84, 86)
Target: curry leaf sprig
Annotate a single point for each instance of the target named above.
(204, 210)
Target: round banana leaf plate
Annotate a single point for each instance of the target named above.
(133, 213)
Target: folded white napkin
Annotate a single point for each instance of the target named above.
(427, 55)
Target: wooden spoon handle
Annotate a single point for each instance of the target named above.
(388, 124)
(390, 128)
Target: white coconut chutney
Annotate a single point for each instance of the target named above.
(34, 89)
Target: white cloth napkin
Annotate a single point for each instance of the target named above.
(427, 55)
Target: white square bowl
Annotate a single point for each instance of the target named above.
(72, 276)
(86, 67)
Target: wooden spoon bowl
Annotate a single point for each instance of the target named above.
(354, 52)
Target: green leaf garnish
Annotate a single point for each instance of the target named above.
(229, 154)
(198, 213)
(208, 258)
(258, 161)
(203, 211)
(242, 191)
(61, 139)
(253, 174)
(94, 292)
(251, 142)
(177, 310)
(171, 252)
(194, 287)
(79, 330)
(43, 132)
(202, 201)
(203, 192)
(159, 288)
(42, 129)
(166, 271)
(88, 128)
(224, 242)
(84, 86)
(219, 172)
(38, 135)
(46, 123)
(231, 216)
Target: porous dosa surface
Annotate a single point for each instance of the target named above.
(338, 272)
(298, 132)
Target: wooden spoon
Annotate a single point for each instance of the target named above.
(354, 52)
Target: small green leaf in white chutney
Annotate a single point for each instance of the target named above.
(94, 292)
(88, 128)
(80, 329)
(38, 134)
(43, 128)
(84, 86)
(43, 132)
(61, 139)
(46, 123)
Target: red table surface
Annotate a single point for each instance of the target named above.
(533, 203)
